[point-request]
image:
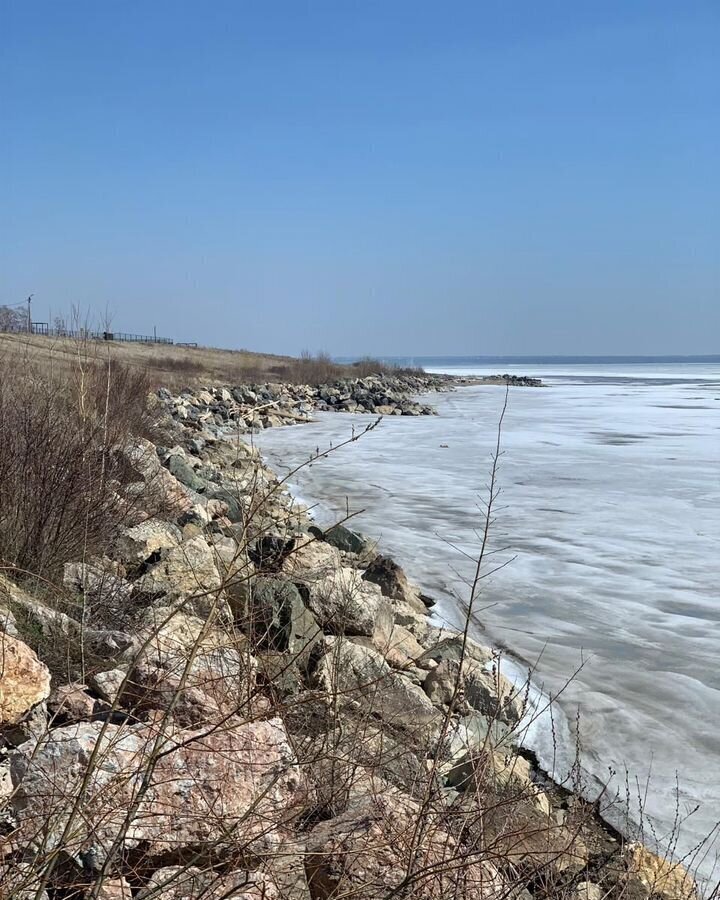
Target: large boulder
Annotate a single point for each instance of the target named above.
(453, 647)
(106, 596)
(338, 759)
(312, 560)
(278, 618)
(358, 676)
(507, 774)
(232, 500)
(140, 542)
(185, 570)
(416, 622)
(160, 489)
(192, 883)
(400, 648)
(182, 470)
(345, 604)
(71, 703)
(648, 876)
(466, 737)
(61, 641)
(231, 559)
(205, 673)
(343, 539)
(393, 582)
(512, 820)
(19, 880)
(366, 851)
(76, 787)
(490, 693)
(24, 680)
(108, 684)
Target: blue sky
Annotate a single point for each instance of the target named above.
(368, 177)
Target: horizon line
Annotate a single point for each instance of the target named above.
(594, 357)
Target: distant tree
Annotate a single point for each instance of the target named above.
(12, 319)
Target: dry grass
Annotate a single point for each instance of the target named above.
(168, 365)
(177, 367)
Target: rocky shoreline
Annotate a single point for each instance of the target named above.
(257, 406)
(234, 703)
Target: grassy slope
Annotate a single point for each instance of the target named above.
(166, 364)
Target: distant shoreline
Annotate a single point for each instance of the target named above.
(539, 360)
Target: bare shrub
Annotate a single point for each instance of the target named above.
(63, 475)
(315, 370)
(369, 366)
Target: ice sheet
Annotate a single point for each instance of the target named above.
(611, 507)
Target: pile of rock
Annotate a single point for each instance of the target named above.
(513, 380)
(254, 407)
(384, 395)
(258, 406)
(247, 706)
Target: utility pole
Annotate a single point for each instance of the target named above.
(29, 317)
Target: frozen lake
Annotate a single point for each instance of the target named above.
(610, 507)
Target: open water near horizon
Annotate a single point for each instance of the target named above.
(610, 513)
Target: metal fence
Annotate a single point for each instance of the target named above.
(85, 334)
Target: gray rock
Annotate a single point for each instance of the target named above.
(8, 625)
(393, 582)
(64, 636)
(279, 618)
(107, 684)
(31, 726)
(362, 853)
(465, 738)
(451, 648)
(343, 538)
(137, 544)
(184, 473)
(235, 511)
(345, 604)
(106, 645)
(106, 596)
(19, 878)
(358, 676)
(490, 693)
(71, 703)
(192, 883)
(185, 570)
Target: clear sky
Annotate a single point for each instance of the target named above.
(394, 177)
